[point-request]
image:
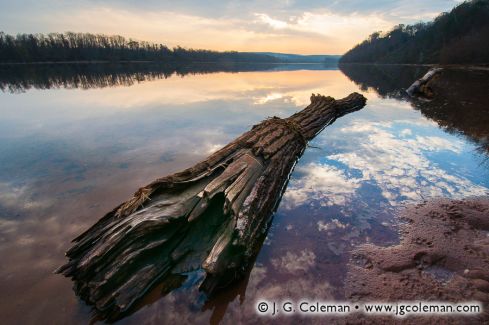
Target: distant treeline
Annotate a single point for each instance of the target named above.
(461, 36)
(59, 47)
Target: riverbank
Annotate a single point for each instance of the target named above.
(483, 67)
(443, 256)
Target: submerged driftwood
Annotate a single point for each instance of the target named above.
(211, 216)
(419, 87)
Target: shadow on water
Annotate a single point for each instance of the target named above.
(19, 78)
(460, 104)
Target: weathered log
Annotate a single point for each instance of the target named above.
(418, 87)
(211, 216)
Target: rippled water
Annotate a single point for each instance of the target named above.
(69, 155)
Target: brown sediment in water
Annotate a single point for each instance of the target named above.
(443, 256)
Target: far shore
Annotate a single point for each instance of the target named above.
(159, 62)
(483, 66)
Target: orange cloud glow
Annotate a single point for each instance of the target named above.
(311, 33)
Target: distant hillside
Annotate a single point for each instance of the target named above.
(69, 47)
(298, 58)
(461, 36)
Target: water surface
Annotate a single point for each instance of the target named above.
(75, 145)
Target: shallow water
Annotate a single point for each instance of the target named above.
(68, 155)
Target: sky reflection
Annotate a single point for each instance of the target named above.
(403, 163)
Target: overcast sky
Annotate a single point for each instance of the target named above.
(289, 26)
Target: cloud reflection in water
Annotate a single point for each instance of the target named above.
(396, 162)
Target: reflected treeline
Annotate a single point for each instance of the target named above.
(460, 104)
(387, 80)
(19, 78)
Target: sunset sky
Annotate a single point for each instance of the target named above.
(288, 26)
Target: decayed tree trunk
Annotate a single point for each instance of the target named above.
(419, 86)
(211, 216)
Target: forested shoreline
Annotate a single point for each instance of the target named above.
(69, 46)
(458, 37)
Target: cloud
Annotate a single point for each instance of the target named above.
(334, 32)
(282, 26)
(281, 8)
(274, 23)
(406, 132)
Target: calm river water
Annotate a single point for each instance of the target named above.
(74, 146)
